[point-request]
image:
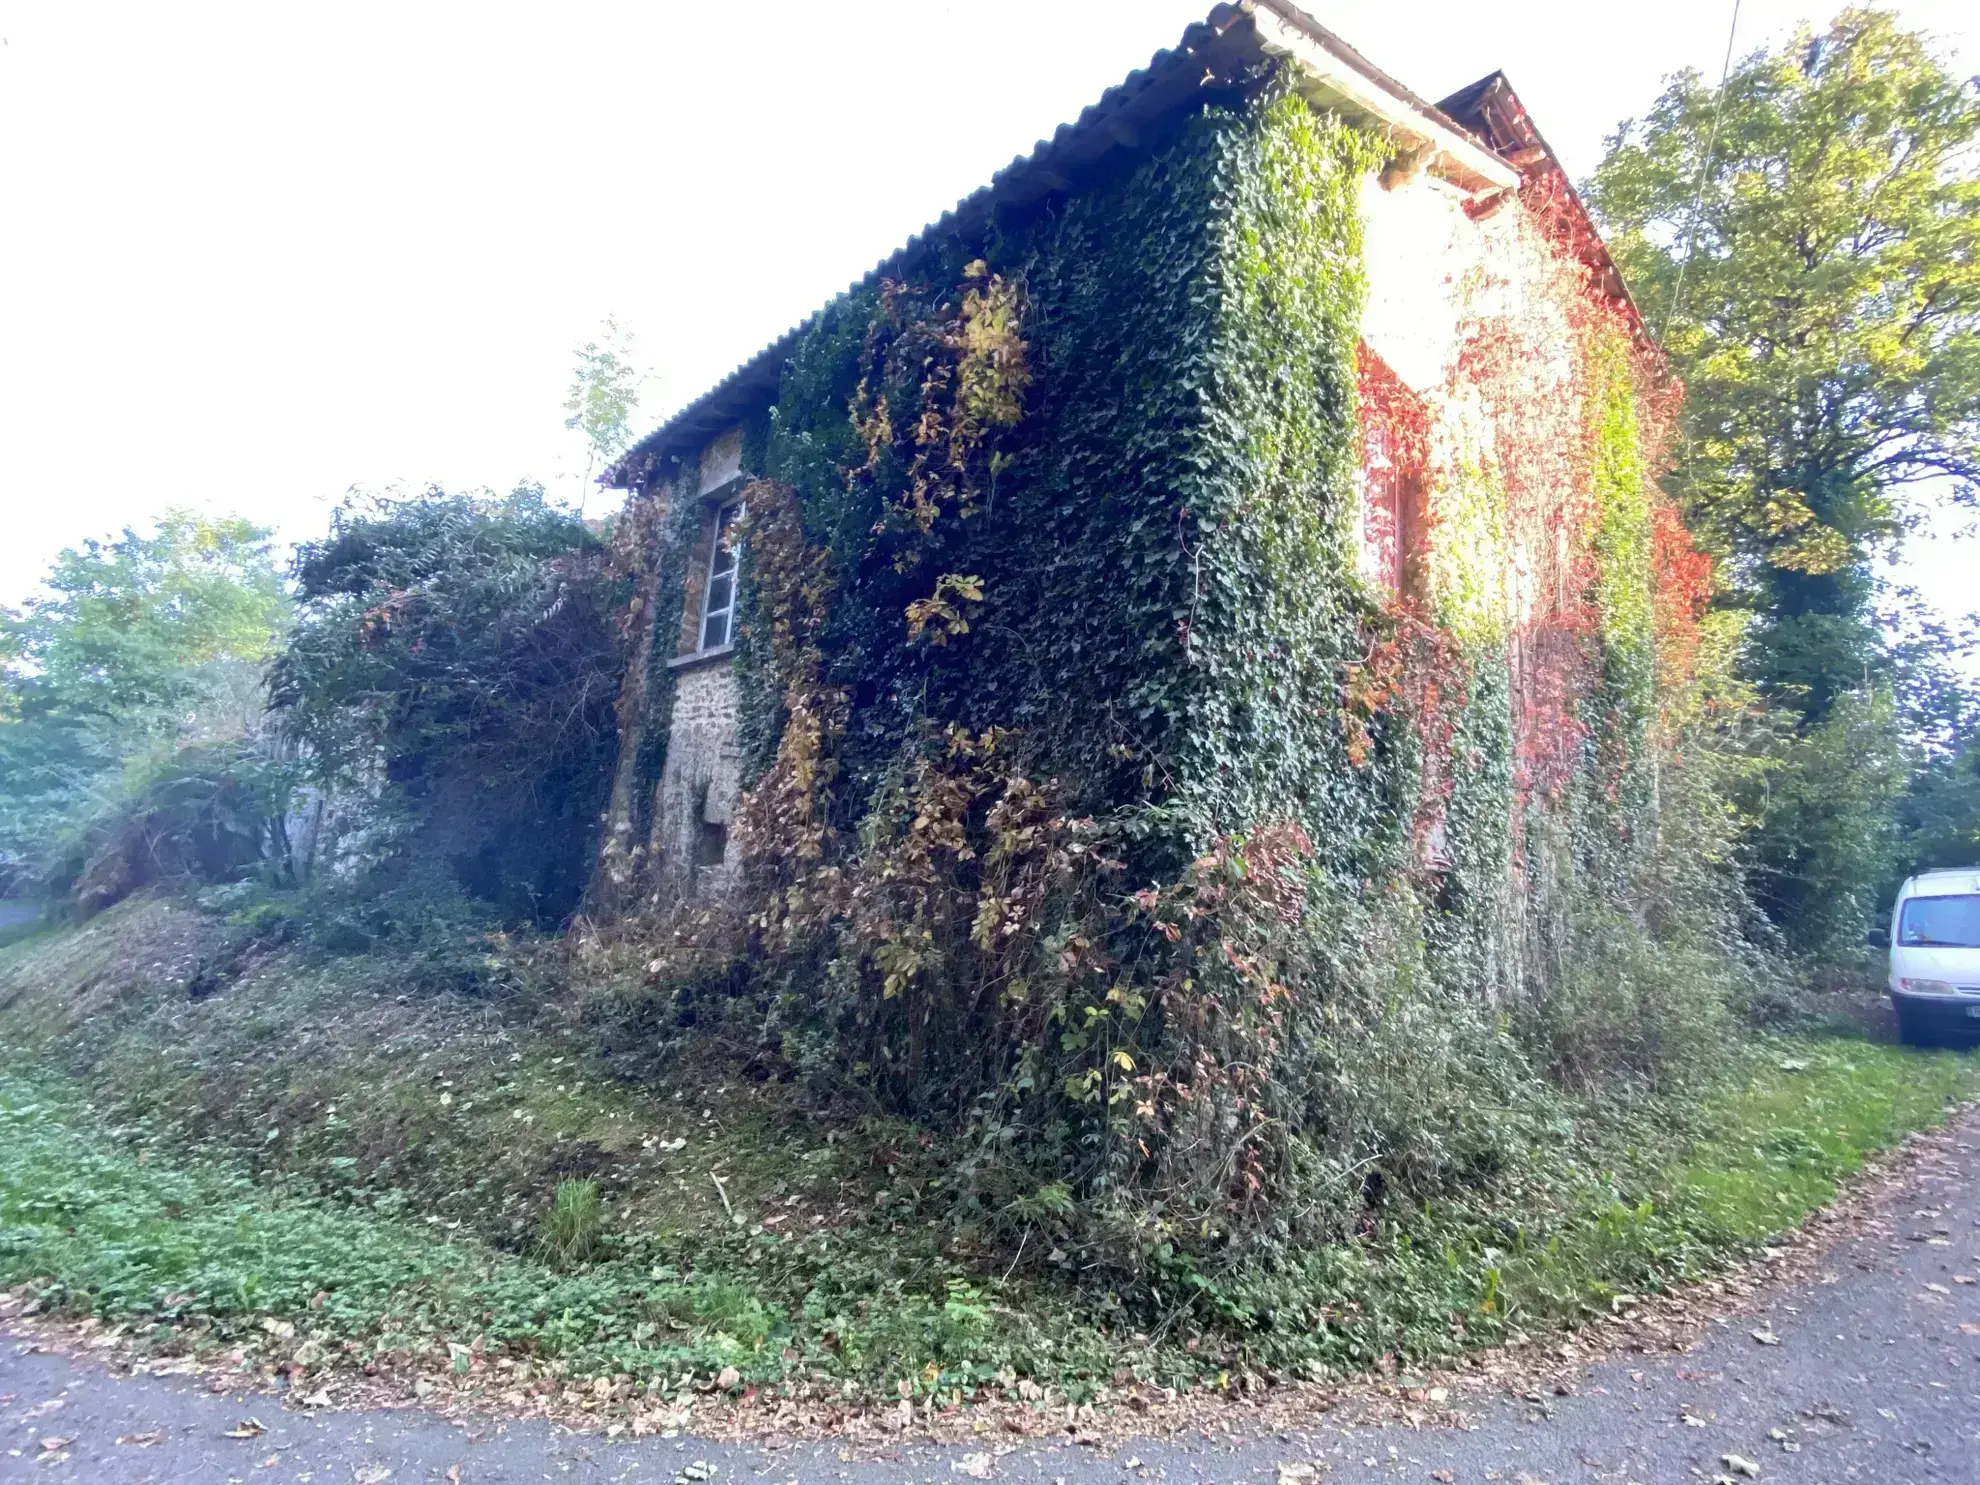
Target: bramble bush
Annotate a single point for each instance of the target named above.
(454, 668)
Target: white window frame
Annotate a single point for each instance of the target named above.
(726, 517)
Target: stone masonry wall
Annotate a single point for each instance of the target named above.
(696, 796)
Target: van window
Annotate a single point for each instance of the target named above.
(1941, 922)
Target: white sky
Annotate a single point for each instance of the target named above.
(252, 255)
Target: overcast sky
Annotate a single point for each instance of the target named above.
(253, 255)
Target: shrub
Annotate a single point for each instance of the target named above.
(1632, 1010)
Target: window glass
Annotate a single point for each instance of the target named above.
(1941, 922)
(718, 601)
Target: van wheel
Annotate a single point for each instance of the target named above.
(1913, 1030)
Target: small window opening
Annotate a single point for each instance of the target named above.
(718, 598)
(711, 843)
(1391, 517)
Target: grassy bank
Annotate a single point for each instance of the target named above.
(315, 1143)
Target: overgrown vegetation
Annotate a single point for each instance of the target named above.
(1201, 957)
(410, 1179)
(432, 699)
(453, 669)
(130, 711)
(1097, 787)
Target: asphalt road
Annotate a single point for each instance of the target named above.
(1874, 1376)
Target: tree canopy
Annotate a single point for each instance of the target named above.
(1806, 241)
(131, 648)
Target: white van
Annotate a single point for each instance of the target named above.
(1934, 941)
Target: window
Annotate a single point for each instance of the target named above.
(1941, 923)
(718, 597)
(1395, 446)
(711, 843)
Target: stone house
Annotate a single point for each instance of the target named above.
(1494, 349)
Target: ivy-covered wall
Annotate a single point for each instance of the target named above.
(1099, 796)
(1162, 541)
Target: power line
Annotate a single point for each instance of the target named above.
(1704, 170)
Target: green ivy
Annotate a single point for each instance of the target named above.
(1626, 702)
(1159, 668)
(1166, 547)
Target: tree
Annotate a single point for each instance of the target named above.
(128, 629)
(132, 649)
(1938, 819)
(1825, 833)
(1806, 241)
(603, 399)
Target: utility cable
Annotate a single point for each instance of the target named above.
(1704, 171)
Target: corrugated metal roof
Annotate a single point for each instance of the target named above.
(1213, 51)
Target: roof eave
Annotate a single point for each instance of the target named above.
(1336, 76)
(1333, 75)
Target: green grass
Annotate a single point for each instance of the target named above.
(571, 1228)
(104, 1223)
(124, 1224)
(1812, 1112)
(1641, 1199)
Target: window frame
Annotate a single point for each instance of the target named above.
(1905, 928)
(726, 515)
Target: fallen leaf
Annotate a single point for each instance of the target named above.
(453, 1474)
(1937, 1289)
(976, 1466)
(1766, 1337)
(143, 1440)
(727, 1378)
(1444, 1475)
(373, 1474)
(247, 1428)
(55, 1441)
(1739, 1464)
(317, 1400)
